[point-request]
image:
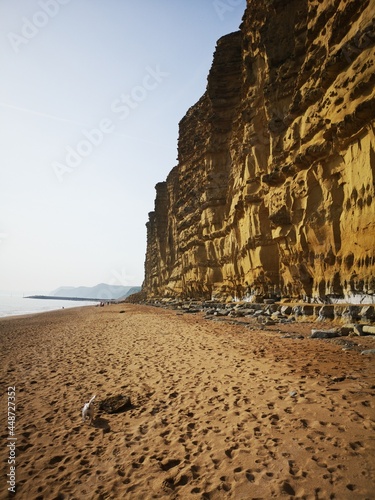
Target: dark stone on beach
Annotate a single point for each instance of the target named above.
(346, 330)
(351, 329)
(259, 313)
(248, 311)
(221, 312)
(210, 312)
(324, 334)
(212, 305)
(236, 313)
(192, 311)
(115, 404)
(269, 322)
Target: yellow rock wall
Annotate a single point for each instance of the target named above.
(274, 188)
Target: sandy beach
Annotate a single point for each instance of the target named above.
(219, 411)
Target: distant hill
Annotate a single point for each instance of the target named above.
(134, 289)
(100, 291)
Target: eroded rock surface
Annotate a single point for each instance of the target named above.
(273, 193)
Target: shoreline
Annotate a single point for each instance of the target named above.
(32, 313)
(37, 313)
(219, 410)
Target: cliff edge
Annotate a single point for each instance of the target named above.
(273, 194)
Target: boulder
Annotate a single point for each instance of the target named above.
(368, 330)
(324, 334)
(236, 313)
(248, 312)
(351, 329)
(221, 312)
(115, 404)
(192, 310)
(210, 312)
(269, 322)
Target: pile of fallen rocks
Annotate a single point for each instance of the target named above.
(355, 320)
(272, 312)
(343, 331)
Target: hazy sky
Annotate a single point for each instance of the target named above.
(91, 94)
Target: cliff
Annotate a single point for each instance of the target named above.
(273, 193)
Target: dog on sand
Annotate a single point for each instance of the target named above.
(88, 411)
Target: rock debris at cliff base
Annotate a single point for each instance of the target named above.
(273, 194)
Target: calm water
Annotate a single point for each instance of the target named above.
(14, 306)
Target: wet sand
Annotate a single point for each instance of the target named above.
(219, 411)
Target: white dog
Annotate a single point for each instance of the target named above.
(88, 410)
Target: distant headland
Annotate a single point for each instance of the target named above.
(53, 297)
(98, 293)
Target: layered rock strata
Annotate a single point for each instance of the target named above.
(273, 193)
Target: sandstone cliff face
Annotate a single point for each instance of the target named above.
(274, 188)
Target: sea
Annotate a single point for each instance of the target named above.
(13, 305)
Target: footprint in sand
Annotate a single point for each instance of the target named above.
(169, 464)
(250, 476)
(287, 488)
(56, 459)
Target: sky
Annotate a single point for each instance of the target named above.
(91, 95)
